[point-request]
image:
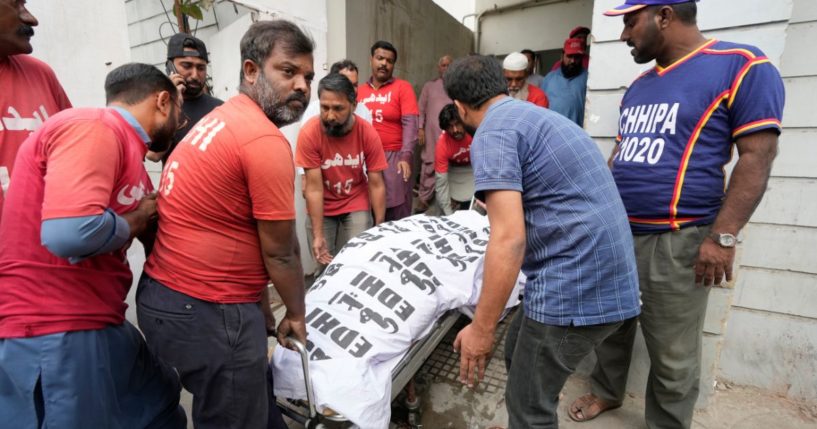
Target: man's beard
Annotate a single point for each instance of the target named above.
(163, 137)
(278, 111)
(193, 91)
(571, 70)
(335, 129)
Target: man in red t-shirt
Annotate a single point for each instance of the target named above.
(515, 69)
(29, 90)
(454, 181)
(344, 164)
(79, 195)
(227, 229)
(394, 110)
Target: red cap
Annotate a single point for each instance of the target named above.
(574, 46)
(578, 30)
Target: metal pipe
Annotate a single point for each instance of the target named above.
(509, 8)
(310, 396)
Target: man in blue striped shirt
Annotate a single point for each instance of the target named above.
(555, 213)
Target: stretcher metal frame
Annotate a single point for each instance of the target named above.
(307, 414)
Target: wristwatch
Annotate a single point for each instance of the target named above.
(724, 239)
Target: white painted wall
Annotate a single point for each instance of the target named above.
(81, 52)
(539, 27)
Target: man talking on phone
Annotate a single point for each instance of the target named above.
(187, 57)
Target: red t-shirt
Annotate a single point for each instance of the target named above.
(450, 150)
(79, 163)
(29, 94)
(537, 96)
(388, 105)
(233, 168)
(342, 161)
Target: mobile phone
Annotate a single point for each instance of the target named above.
(170, 68)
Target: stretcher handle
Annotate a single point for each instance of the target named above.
(310, 395)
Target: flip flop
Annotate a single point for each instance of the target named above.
(588, 407)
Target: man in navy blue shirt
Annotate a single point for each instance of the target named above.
(678, 125)
(554, 213)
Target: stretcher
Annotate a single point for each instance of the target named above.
(376, 314)
(305, 412)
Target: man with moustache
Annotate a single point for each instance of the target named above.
(566, 86)
(187, 56)
(432, 100)
(227, 229)
(344, 164)
(79, 195)
(349, 69)
(703, 99)
(29, 91)
(454, 182)
(394, 109)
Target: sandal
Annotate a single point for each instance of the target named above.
(588, 407)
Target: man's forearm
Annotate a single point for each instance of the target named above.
(287, 276)
(314, 207)
(503, 260)
(377, 196)
(746, 188)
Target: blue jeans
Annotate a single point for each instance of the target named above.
(87, 379)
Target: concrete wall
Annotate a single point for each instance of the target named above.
(80, 53)
(421, 31)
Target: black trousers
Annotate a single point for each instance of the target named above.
(219, 351)
(539, 358)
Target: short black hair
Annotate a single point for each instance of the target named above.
(336, 82)
(382, 44)
(528, 51)
(686, 12)
(475, 79)
(343, 65)
(133, 82)
(261, 38)
(448, 116)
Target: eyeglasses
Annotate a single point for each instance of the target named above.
(184, 120)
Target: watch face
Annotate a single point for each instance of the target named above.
(727, 240)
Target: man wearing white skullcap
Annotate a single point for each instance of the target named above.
(515, 69)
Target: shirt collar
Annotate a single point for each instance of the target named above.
(130, 119)
(506, 99)
(371, 79)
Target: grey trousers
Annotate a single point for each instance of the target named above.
(672, 319)
(219, 351)
(539, 359)
(338, 230)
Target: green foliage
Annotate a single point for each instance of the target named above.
(193, 8)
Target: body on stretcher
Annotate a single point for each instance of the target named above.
(377, 313)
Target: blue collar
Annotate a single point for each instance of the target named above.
(130, 119)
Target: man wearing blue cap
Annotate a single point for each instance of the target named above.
(677, 128)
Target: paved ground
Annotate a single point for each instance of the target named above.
(445, 403)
